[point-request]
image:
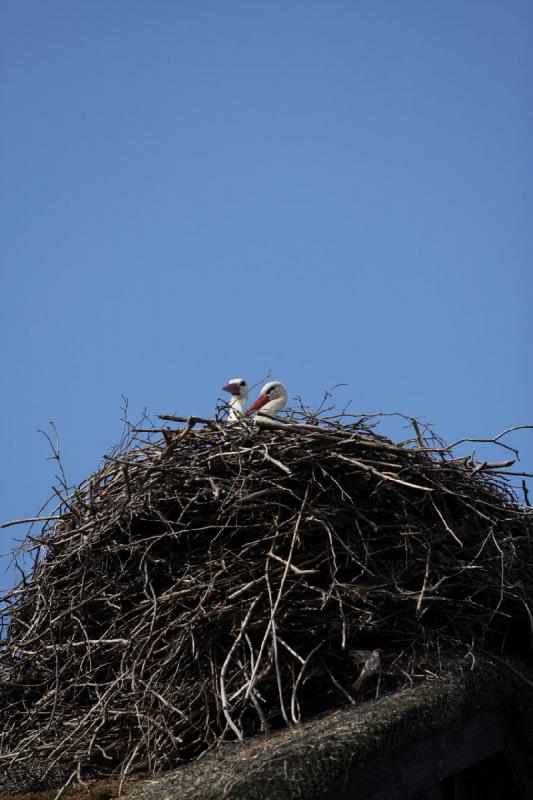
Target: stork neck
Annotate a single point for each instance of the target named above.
(237, 407)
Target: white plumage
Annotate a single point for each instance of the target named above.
(238, 389)
(272, 399)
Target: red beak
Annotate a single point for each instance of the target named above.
(257, 404)
(233, 389)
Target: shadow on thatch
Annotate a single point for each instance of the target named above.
(231, 579)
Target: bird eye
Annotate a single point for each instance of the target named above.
(243, 383)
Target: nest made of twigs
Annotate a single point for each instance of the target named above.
(217, 582)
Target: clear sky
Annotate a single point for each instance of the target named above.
(190, 191)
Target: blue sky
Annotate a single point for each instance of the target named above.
(338, 192)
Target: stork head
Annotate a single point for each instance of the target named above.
(237, 387)
(273, 398)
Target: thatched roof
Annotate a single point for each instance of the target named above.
(223, 581)
(312, 759)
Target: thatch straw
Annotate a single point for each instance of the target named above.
(220, 580)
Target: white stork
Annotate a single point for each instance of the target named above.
(238, 389)
(272, 399)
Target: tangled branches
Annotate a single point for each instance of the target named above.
(222, 580)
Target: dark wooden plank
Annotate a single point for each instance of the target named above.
(522, 771)
(426, 763)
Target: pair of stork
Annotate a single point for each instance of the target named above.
(272, 399)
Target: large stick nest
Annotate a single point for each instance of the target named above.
(218, 581)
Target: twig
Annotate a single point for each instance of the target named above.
(424, 584)
(28, 519)
(191, 421)
(277, 463)
(295, 569)
(237, 731)
(382, 475)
